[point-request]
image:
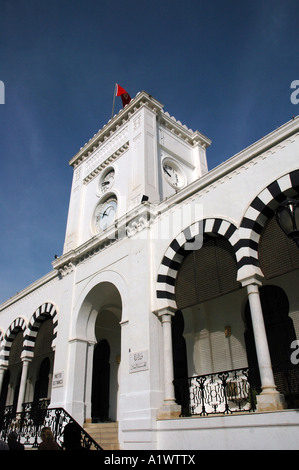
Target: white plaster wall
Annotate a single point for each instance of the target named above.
(208, 349)
(256, 431)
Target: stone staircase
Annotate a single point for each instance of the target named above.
(105, 434)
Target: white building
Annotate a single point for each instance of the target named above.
(168, 271)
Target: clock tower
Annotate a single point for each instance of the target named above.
(142, 153)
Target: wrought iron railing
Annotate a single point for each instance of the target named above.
(29, 423)
(221, 393)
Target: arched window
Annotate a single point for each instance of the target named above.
(277, 254)
(206, 273)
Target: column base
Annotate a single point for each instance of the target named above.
(169, 410)
(270, 401)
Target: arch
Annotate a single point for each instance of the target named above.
(46, 310)
(176, 253)
(89, 302)
(19, 324)
(99, 309)
(260, 210)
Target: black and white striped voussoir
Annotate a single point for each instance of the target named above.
(244, 240)
(260, 210)
(45, 311)
(176, 252)
(19, 324)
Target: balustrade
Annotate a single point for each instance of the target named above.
(224, 392)
(33, 418)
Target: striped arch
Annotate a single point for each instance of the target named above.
(260, 210)
(19, 324)
(176, 252)
(45, 311)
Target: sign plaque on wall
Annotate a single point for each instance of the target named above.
(138, 361)
(57, 380)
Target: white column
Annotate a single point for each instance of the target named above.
(169, 408)
(270, 398)
(89, 371)
(26, 362)
(169, 397)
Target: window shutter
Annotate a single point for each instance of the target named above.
(206, 273)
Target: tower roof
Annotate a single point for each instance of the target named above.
(141, 99)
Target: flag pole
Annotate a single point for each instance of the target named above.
(113, 100)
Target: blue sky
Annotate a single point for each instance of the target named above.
(223, 67)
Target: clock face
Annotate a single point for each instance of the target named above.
(104, 214)
(107, 180)
(173, 174)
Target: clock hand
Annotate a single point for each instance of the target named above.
(109, 209)
(167, 172)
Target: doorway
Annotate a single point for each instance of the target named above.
(100, 382)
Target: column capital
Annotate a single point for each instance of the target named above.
(165, 311)
(82, 340)
(26, 358)
(255, 279)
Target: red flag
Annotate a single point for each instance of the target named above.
(125, 97)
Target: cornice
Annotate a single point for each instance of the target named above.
(241, 160)
(127, 226)
(29, 289)
(112, 158)
(142, 99)
(182, 131)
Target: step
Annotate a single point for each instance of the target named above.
(105, 434)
